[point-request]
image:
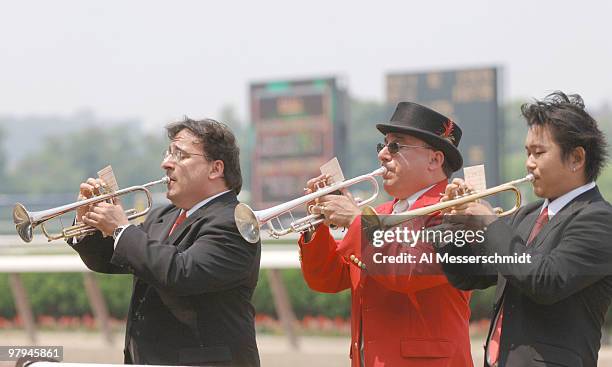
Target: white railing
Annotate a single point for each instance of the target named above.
(17, 258)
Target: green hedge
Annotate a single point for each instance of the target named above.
(64, 294)
(303, 300)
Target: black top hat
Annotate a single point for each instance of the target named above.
(428, 125)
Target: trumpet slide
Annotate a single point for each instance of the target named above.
(25, 221)
(249, 222)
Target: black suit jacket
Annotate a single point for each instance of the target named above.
(554, 306)
(191, 298)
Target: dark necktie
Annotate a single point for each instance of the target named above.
(493, 345)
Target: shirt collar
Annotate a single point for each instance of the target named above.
(559, 203)
(405, 204)
(204, 202)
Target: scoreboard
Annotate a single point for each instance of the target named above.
(467, 96)
(298, 125)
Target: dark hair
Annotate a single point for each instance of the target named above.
(219, 144)
(446, 168)
(571, 127)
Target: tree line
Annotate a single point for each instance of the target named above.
(61, 162)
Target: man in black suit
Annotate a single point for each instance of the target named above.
(194, 275)
(548, 311)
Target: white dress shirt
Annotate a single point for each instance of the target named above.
(559, 203)
(404, 204)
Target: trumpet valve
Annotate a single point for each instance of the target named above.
(131, 211)
(310, 207)
(321, 184)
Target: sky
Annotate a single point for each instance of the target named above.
(160, 60)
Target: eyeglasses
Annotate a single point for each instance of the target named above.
(177, 155)
(395, 147)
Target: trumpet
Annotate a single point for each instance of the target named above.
(249, 222)
(392, 220)
(26, 221)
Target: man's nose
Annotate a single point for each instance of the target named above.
(530, 163)
(384, 155)
(167, 164)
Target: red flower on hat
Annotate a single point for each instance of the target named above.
(447, 131)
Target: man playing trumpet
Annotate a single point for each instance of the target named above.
(194, 275)
(395, 320)
(550, 310)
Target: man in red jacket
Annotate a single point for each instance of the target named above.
(397, 318)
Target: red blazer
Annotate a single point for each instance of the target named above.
(407, 319)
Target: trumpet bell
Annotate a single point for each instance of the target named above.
(368, 210)
(247, 222)
(370, 221)
(23, 222)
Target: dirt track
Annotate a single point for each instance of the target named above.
(274, 350)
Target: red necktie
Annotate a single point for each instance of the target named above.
(493, 346)
(181, 218)
(540, 222)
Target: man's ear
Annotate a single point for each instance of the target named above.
(577, 159)
(436, 159)
(217, 169)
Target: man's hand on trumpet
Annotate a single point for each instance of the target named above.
(477, 214)
(338, 210)
(313, 185)
(104, 216)
(92, 187)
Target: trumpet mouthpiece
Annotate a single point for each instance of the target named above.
(530, 177)
(381, 171)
